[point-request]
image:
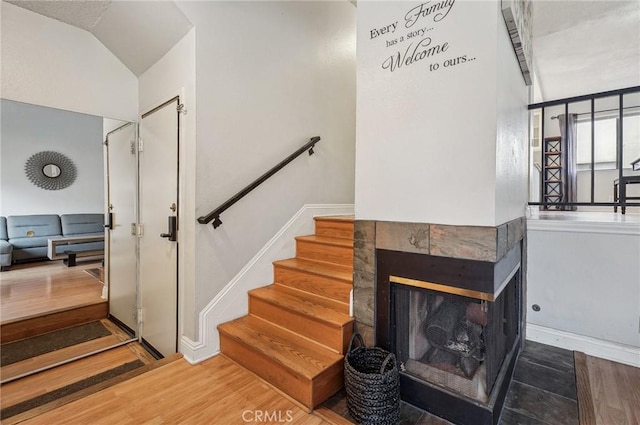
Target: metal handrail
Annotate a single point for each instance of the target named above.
(215, 214)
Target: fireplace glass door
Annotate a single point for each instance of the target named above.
(451, 341)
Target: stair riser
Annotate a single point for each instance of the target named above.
(281, 377)
(327, 383)
(51, 322)
(327, 287)
(322, 333)
(340, 255)
(337, 229)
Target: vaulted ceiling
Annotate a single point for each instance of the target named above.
(580, 47)
(138, 33)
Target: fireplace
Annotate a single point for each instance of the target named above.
(453, 321)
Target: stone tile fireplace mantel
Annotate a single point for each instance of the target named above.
(486, 244)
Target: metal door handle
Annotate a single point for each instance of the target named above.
(109, 224)
(173, 229)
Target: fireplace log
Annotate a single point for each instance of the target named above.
(440, 327)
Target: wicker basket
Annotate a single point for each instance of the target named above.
(372, 382)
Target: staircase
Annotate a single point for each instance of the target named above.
(298, 328)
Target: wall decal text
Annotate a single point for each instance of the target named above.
(418, 44)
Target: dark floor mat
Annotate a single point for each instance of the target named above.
(69, 389)
(14, 352)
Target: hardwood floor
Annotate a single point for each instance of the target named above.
(615, 389)
(216, 391)
(34, 289)
(219, 391)
(35, 385)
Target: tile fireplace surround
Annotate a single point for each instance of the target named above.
(383, 246)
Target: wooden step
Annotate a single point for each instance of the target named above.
(323, 279)
(41, 324)
(48, 359)
(9, 372)
(306, 371)
(326, 249)
(332, 304)
(156, 364)
(339, 226)
(35, 385)
(303, 314)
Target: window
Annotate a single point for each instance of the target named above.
(605, 140)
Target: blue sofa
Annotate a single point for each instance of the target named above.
(74, 225)
(28, 235)
(6, 249)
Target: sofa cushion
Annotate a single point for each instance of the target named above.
(25, 254)
(3, 229)
(5, 247)
(31, 226)
(5, 253)
(76, 224)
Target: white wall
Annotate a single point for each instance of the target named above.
(426, 148)
(175, 75)
(47, 62)
(28, 129)
(270, 75)
(513, 132)
(585, 278)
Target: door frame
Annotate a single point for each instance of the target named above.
(107, 268)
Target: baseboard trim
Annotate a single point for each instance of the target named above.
(613, 351)
(613, 228)
(231, 302)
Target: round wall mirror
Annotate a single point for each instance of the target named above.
(50, 170)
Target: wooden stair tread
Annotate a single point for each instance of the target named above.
(334, 271)
(327, 240)
(35, 385)
(317, 299)
(299, 354)
(301, 303)
(335, 226)
(341, 218)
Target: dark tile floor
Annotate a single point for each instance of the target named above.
(543, 392)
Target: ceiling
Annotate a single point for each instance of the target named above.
(138, 33)
(580, 47)
(583, 47)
